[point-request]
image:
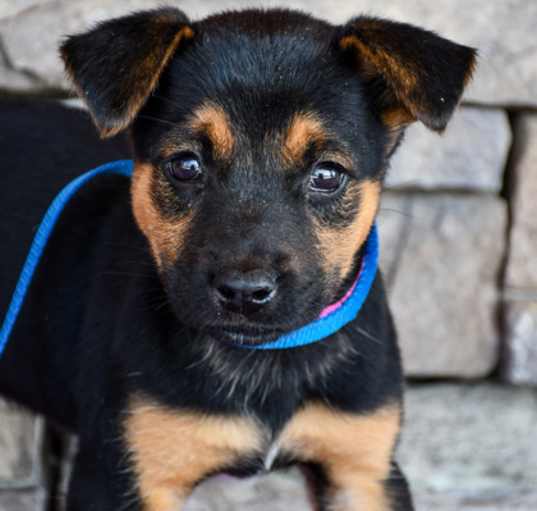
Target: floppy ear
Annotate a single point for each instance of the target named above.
(412, 73)
(116, 66)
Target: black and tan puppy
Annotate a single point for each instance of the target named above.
(261, 140)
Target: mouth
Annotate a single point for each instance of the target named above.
(245, 334)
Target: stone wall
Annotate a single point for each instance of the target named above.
(459, 252)
(22, 465)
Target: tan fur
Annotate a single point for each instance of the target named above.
(470, 72)
(378, 61)
(354, 449)
(165, 237)
(172, 450)
(303, 129)
(395, 119)
(214, 121)
(339, 246)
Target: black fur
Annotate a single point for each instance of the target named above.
(102, 323)
(140, 43)
(439, 67)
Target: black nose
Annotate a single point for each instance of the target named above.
(245, 292)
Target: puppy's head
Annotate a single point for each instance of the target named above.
(261, 141)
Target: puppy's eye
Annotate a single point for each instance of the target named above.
(184, 167)
(327, 177)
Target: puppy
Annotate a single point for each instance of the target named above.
(261, 140)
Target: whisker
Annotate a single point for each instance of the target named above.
(366, 334)
(125, 273)
(156, 119)
(167, 100)
(398, 211)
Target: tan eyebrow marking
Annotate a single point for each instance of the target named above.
(214, 121)
(304, 129)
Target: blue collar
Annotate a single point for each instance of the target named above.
(319, 329)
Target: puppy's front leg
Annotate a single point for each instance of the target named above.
(355, 454)
(97, 483)
(172, 450)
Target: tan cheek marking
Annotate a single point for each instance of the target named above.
(356, 451)
(213, 120)
(339, 245)
(165, 237)
(304, 129)
(172, 450)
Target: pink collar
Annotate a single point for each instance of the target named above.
(336, 305)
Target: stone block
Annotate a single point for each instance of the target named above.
(23, 500)
(14, 81)
(470, 447)
(470, 155)
(21, 443)
(22, 485)
(521, 500)
(279, 491)
(394, 223)
(521, 271)
(443, 280)
(12, 7)
(519, 364)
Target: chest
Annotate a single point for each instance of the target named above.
(173, 450)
